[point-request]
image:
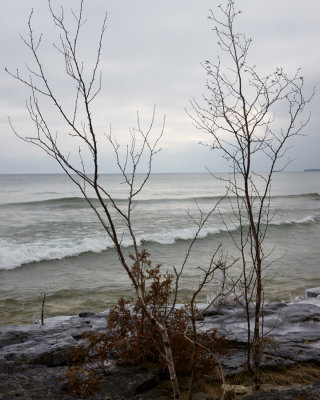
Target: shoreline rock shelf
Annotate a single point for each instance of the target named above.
(31, 356)
(293, 331)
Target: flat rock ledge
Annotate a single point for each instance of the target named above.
(33, 356)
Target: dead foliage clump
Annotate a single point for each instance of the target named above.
(132, 339)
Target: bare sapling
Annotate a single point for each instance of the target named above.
(79, 126)
(250, 118)
(81, 163)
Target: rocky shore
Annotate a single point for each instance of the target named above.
(33, 356)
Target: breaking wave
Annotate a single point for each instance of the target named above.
(14, 253)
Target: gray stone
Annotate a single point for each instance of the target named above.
(313, 292)
(294, 331)
(32, 355)
(86, 314)
(52, 351)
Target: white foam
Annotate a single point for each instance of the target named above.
(171, 236)
(14, 254)
(309, 219)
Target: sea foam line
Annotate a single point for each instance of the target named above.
(14, 254)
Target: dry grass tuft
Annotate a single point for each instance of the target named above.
(281, 378)
(299, 373)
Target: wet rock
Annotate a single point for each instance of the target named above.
(210, 312)
(51, 351)
(36, 383)
(126, 383)
(86, 314)
(274, 308)
(13, 336)
(139, 383)
(293, 334)
(300, 313)
(32, 356)
(313, 292)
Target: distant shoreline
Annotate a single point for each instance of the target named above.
(312, 170)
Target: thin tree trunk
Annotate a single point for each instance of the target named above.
(257, 338)
(170, 363)
(194, 358)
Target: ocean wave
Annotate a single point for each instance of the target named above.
(312, 195)
(74, 202)
(66, 202)
(14, 254)
(58, 202)
(309, 219)
(172, 236)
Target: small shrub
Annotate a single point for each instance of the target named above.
(132, 339)
(80, 380)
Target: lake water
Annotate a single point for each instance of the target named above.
(51, 241)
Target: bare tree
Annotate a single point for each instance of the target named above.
(80, 127)
(239, 112)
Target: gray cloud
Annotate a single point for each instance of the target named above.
(152, 55)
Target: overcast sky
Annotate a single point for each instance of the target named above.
(152, 55)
